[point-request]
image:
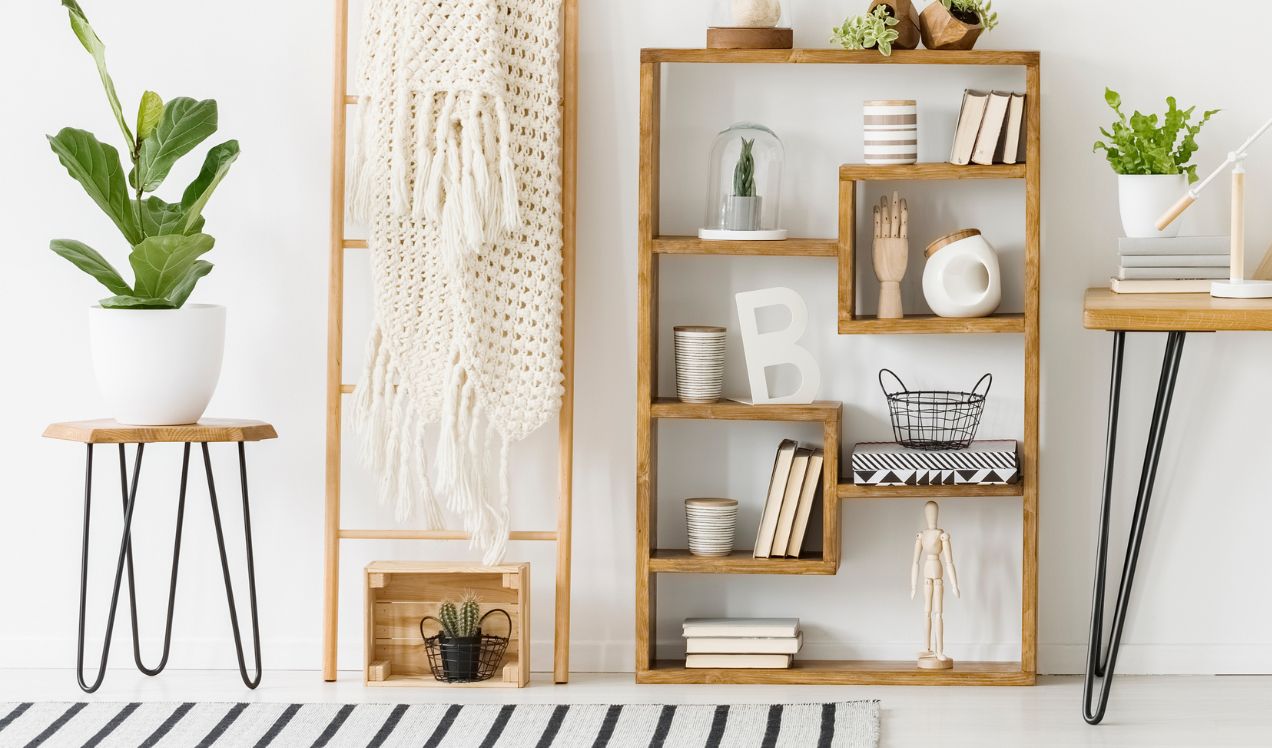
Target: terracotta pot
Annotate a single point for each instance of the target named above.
(908, 22)
(941, 30)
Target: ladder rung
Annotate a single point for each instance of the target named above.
(438, 535)
(351, 99)
(355, 243)
(346, 389)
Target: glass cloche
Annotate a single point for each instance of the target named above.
(751, 14)
(744, 185)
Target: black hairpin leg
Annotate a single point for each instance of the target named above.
(128, 495)
(225, 566)
(1097, 666)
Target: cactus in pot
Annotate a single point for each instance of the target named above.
(742, 208)
(459, 620)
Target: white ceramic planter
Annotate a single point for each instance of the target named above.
(962, 277)
(891, 131)
(157, 367)
(1143, 198)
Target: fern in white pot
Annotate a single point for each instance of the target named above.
(1151, 155)
(157, 358)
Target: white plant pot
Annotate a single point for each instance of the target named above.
(1143, 198)
(157, 367)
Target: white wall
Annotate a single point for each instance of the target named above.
(268, 65)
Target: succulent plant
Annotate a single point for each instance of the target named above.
(459, 620)
(967, 10)
(744, 172)
(873, 29)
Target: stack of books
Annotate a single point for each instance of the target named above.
(797, 473)
(1184, 264)
(741, 642)
(991, 129)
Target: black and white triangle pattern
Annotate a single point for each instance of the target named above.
(890, 464)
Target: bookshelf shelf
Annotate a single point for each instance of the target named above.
(653, 562)
(852, 491)
(727, 410)
(692, 245)
(845, 673)
(929, 324)
(679, 561)
(940, 170)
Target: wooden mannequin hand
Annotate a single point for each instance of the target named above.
(891, 253)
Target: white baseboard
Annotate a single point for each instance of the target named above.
(618, 656)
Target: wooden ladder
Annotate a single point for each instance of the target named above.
(337, 388)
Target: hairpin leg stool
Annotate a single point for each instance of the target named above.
(92, 433)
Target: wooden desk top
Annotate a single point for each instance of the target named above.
(1165, 312)
(108, 431)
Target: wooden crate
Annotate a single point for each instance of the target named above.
(400, 593)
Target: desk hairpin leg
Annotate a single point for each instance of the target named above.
(1097, 666)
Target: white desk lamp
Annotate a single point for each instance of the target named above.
(1236, 287)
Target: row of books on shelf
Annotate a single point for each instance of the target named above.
(741, 642)
(796, 476)
(1182, 264)
(991, 129)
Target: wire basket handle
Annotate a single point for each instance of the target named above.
(425, 618)
(987, 385)
(496, 610)
(884, 387)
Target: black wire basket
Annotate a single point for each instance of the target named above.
(465, 659)
(935, 419)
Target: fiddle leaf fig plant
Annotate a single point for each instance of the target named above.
(744, 171)
(873, 29)
(1147, 144)
(973, 11)
(167, 239)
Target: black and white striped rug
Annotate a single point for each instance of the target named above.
(851, 724)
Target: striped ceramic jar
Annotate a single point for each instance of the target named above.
(891, 130)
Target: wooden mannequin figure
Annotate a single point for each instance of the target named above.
(932, 546)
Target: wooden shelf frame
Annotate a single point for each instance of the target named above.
(653, 245)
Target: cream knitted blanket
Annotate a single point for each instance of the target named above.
(457, 174)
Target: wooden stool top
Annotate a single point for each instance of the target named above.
(108, 431)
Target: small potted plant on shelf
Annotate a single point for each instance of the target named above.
(157, 358)
(907, 17)
(742, 208)
(1150, 155)
(460, 652)
(956, 24)
(871, 30)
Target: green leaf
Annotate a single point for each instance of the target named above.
(90, 261)
(184, 125)
(181, 291)
(215, 166)
(161, 262)
(1113, 99)
(126, 301)
(149, 114)
(159, 218)
(96, 166)
(94, 46)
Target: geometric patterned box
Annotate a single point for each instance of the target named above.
(890, 464)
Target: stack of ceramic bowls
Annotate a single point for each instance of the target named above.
(711, 524)
(699, 363)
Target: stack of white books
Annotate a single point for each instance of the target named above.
(741, 642)
(793, 484)
(1183, 264)
(990, 129)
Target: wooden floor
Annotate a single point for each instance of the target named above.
(1145, 711)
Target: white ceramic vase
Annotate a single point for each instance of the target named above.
(891, 131)
(157, 367)
(1143, 198)
(962, 277)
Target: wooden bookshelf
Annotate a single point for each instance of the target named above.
(652, 561)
